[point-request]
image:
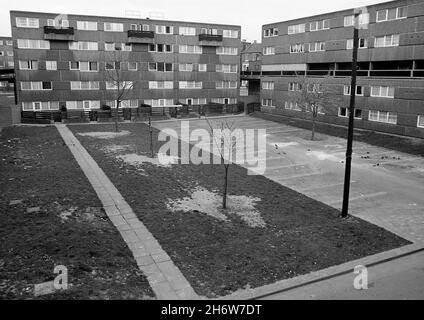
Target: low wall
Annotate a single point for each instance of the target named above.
(9, 115)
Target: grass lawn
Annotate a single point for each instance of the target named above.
(223, 251)
(409, 145)
(70, 228)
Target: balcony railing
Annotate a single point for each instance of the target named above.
(211, 40)
(417, 73)
(58, 34)
(67, 31)
(139, 36)
(210, 37)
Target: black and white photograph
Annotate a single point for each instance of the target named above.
(205, 158)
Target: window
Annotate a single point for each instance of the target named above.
(28, 65)
(190, 84)
(209, 31)
(133, 103)
(319, 25)
(83, 45)
(226, 84)
(226, 50)
(111, 46)
(391, 14)
(164, 29)
(359, 90)
(298, 28)
(1, 42)
(1, 53)
(51, 65)
(382, 116)
(161, 84)
(297, 48)
(9, 43)
(159, 102)
(230, 34)
(194, 101)
(344, 112)
(113, 65)
(186, 67)
(224, 100)
(202, 67)
(226, 68)
(27, 23)
(9, 53)
(187, 31)
(294, 86)
(84, 66)
(87, 25)
(420, 121)
(36, 85)
(290, 105)
(160, 47)
(316, 46)
(314, 87)
(268, 85)
(386, 41)
(349, 21)
(362, 43)
(132, 66)
(36, 106)
(268, 50)
(114, 27)
(267, 102)
(271, 32)
(85, 104)
(382, 91)
(190, 49)
(58, 23)
(84, 85)
(160, 66)
(10, 64)
(33, 44)
(113, 85)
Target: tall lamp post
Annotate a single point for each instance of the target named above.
(348, 161)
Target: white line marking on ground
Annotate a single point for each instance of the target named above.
(365, 196)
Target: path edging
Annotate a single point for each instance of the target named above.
(324, 274)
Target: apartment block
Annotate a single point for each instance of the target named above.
(72, 61)
(390, 85)
(6, 60)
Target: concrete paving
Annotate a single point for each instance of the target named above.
(165, 279)
(398, 279)
(389, 194)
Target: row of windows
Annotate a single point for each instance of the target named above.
(22, 22)
(349, 20)
(129, 103)
(6, 42)
(113, 85)
(8, 53)
(379, 42)
(9, 64)
(376, 91)
(93, 66)
(110, 46)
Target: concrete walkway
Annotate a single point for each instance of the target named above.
(165, 279)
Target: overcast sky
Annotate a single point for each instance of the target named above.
(251, 15)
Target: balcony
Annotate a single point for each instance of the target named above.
(210, 40)
(58, 34)
(138, 36)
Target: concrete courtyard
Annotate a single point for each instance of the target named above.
(387, 186)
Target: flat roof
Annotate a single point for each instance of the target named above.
(337, 12)
(124, 18)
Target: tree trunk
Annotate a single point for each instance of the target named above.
(313, 129)
(116, 117)
(224, 197)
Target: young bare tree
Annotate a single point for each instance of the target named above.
(115, 79)
(225, 140)
(311, 95)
